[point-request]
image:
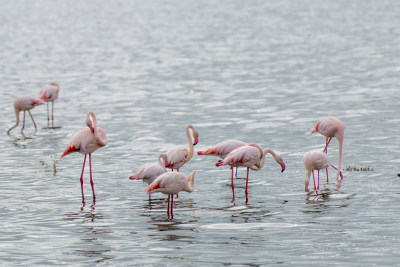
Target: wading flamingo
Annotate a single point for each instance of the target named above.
(250, 156)
(49, 93)
(316, 160)
(24, 103)
(331, 127)
(177, 157)
(222, 149)
(150, 171)
(171, 183)
(85, 141)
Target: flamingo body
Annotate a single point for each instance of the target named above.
(171, 183)
(177, 157)
(150, 171)
(223, 148)
(24, 103)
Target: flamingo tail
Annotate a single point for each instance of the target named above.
(152, 187)
(68, 150)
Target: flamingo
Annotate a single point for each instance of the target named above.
(315, 160)
(331, 127)
(49, 93)
(24, 103)
(177, 157)
(171, 183)
(150, 171)
(222, 149)
(250, 156)
(86, 141)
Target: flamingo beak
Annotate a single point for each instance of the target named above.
(283, 166)
(196, 140)
(130, 177)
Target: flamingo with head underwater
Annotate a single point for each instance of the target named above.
(250, 156)
(85, 141)
(316, 160)
(49, 93)
(331, 127)
(24, 103)
(177, 157)
(150, 171)
(171, 183)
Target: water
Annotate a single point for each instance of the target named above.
(257, 71)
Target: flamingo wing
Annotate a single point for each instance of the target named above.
(244, 156)
(176, 157)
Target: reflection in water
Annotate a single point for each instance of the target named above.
(91, 245)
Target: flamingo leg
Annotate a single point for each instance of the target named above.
(52, 113)
(232, 186)
(83, 168)
(48, 117)
(247, 182)
(341, 175)
(236, 172)
(327, 175)
(313, 179)
(318, 180)
(32, 120)
(326, 146)
(91, 179)
(169, 196)
(23, 123)
(172, 206)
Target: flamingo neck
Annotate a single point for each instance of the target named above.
(190, 178)
(190, 141)
(91, 122)
(162, 158)
(16, 110)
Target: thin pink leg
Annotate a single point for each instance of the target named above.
(327, 181)
(23, 123)
(48, 117)
(172, 206)
(52, 113)
(83, 168)
(169, 196)
(326, 146)
(91, 179)
(232, 186)
(341, 175)
(247, 182)
(318, 180)
(32, 120)
(313, 180)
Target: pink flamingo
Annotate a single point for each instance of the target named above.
(49, 93)
(86, 141)
(222, 149)
(150, 171)
(250, 156)
(331, 127)
(24, 103)
(315, 160)
(170, 184)
(177, 157)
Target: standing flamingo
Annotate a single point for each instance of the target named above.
(250, 156)
(331, 127)
(24, 103)
(49, 93)
(222, 149)
(150, 171)
(315, 160)
(171, 183)
(86, 141)
(177, 157)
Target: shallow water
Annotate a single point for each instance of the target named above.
(257, 71)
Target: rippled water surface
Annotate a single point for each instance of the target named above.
(257, 71)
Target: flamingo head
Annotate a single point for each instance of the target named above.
(283, 166)
(195, 138)
(315, 128)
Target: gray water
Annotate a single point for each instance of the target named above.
(257, 71)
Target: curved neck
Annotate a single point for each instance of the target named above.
(162, 158)
(190, 141)
(190, 178)
(91, 122)
(17, 122)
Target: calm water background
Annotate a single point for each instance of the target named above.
(257, 71)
